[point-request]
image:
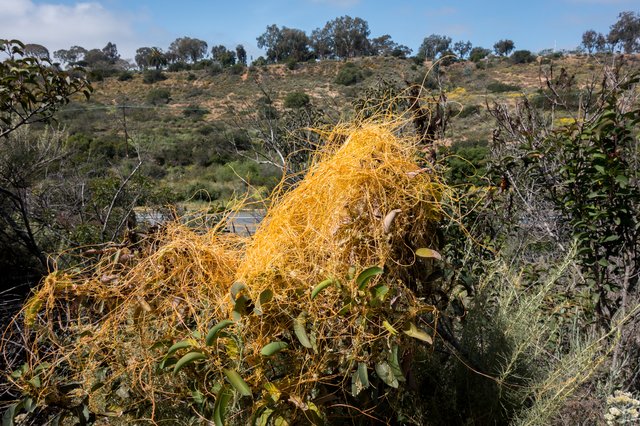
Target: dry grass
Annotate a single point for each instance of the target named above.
(107, 327)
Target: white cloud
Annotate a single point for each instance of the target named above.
(59, 26)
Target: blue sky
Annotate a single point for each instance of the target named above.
(532, 25)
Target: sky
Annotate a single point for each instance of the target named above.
(130, 24)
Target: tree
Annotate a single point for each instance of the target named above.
(321, 43)
(142, 57)
(285, 43)
(433, 46)
(522, 57)
(188, 49)
(589, 39)
(70, 56)
(31, 90)
(349, 36)
(462, 48)
(241, 54)
(503, 47)
(385, 46)
(37, 51)
(626, 32)
(110, 52)
(478, 53)
(270, 40)
(224, 56)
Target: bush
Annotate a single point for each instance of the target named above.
(153, 76)
(196, 112)
(296, 100)
(499, 87)
(236, 69)
(522, 57)
(469, 110)
(191, 77)
(159, 96)
(349, 74)
(178, 66)
(291, 63)
(125, 76)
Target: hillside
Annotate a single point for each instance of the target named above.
(188, 126)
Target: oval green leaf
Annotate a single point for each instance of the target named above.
(317, 289)
(237, 382)
(273, 348)
(215, 331)
(220, 406)
(416, 333)
(188, 359)
(301, 333)
(365, 276)
(179, 345)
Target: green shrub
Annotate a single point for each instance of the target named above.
(158, 96)
(291, 63)
(469, 110)
(236, 69)
(349, 74)
(522, 57)
(191, 77)
(153, 76)
(125, 76)
(195, 112)
(499, 87)
(296, 100)
(179, 66)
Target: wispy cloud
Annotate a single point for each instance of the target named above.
(59, 26)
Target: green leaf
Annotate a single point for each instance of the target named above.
(215, 331)
(237, 382)
(416, 333)
(324, 284)
(10, 414)
(265, 297)
(220, 406)
(378, 293)
(301, 333)
(394, 363)
(188, 359)
(236, 288)
(365, 276)
(273, 348)
(384, 371)
(180, 345)
(428, 253)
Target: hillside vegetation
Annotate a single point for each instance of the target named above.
(443, 243)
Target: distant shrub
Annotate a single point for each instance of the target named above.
(469, 110)
(153, 76)
(522, 57)
(236, 69)
(478, 53)
(296, 100)
(214, 69)
(291, 63)
(259, 62)
(158, 96)
(499, 87)
(178, 66)
(191, 77)
(195, 112)
(349, 74)
(125, 76)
